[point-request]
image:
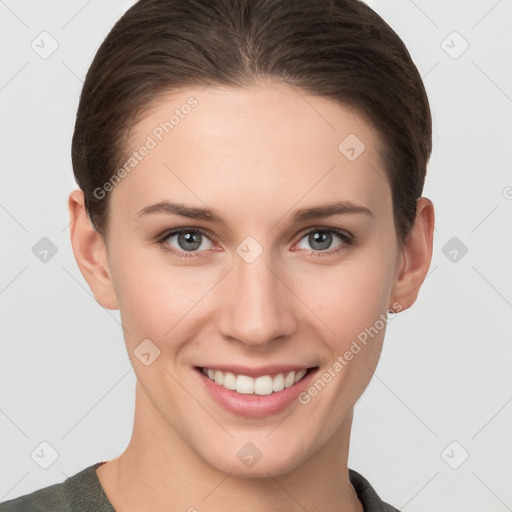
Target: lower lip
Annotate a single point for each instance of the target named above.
(255, 406)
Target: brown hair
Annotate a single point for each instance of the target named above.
(340, 49)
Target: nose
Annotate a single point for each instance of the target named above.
(259, 303)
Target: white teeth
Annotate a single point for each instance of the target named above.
(300, 374)
(229, 381)
(264, 385)
(278, 382)
(244, 384)
(219, 377)
(289, 380)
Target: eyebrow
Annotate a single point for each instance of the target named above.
(207, 214)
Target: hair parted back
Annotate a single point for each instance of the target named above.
(339, 49)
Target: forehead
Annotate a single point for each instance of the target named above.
(264, 144)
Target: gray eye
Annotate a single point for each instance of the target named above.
(189, 240)
(320, 239)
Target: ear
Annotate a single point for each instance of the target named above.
(90, 252)
(416, 257)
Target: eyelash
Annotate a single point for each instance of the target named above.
(348, 240)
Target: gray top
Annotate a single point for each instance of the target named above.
(83, 492)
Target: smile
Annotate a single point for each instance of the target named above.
(262, 385)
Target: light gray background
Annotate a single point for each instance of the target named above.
(445, 371)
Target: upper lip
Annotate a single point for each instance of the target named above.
(257, 371)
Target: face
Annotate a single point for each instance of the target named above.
(257, 284)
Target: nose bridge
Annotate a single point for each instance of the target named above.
(259, 307)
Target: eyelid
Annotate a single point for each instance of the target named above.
(176, 231)
(160, 239)
(347, 240)
(337, 231)
(347, 237)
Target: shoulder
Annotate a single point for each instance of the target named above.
(367, 495)
(49, 498)
(78, 492)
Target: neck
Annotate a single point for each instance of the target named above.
(160, 471)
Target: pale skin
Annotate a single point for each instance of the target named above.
(255, 156)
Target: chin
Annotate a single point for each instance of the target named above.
(247, 461)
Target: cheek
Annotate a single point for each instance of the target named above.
(353, 297)
(154, 295)
(353, 306)
(343, 299)
(361, 321)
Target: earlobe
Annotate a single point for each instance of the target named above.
(90, 252)
(416, 256)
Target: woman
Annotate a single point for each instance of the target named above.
(251, 173)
